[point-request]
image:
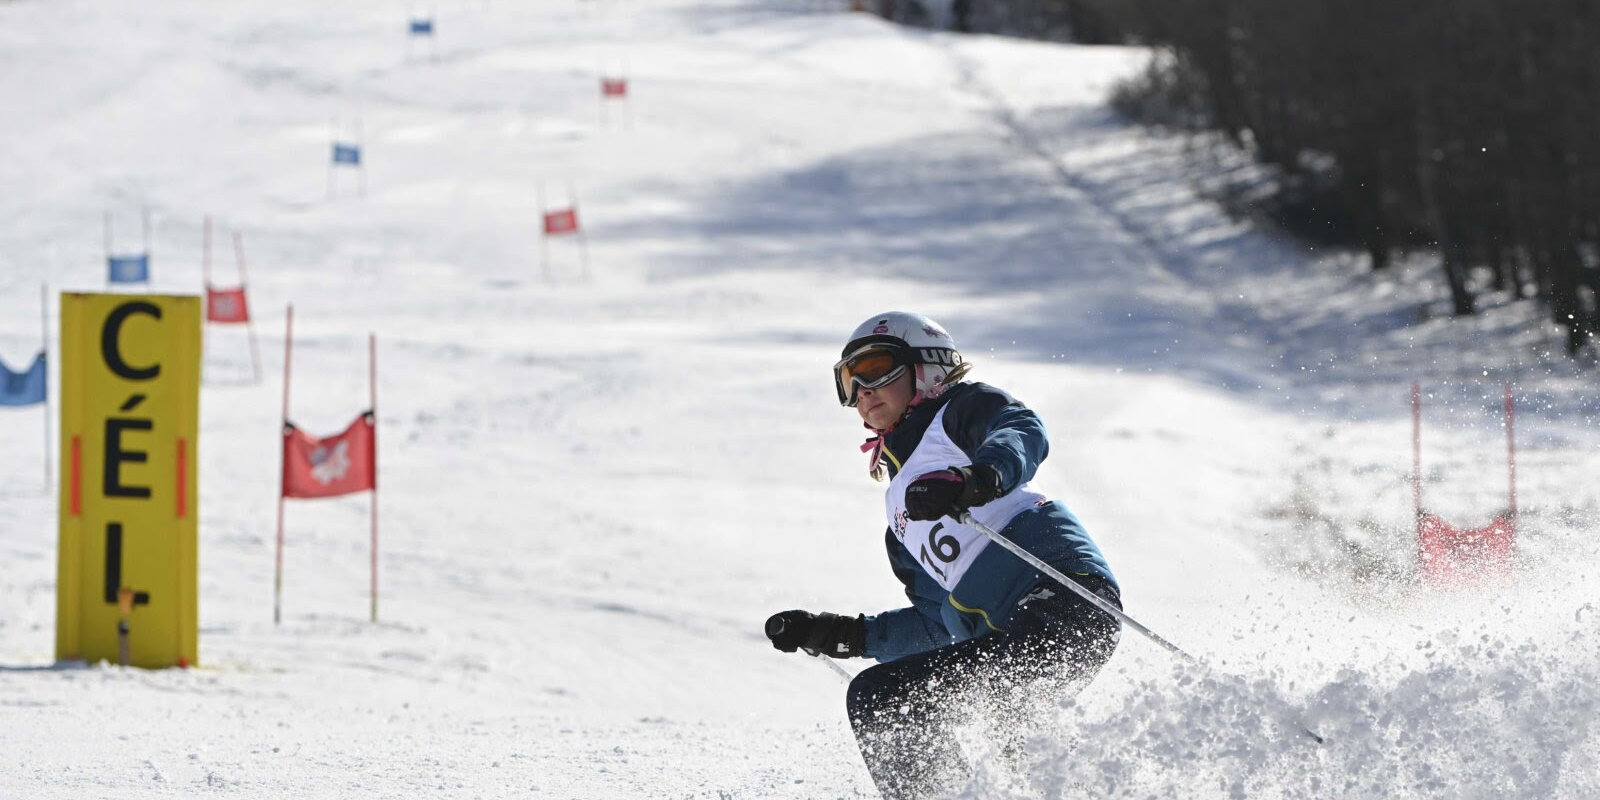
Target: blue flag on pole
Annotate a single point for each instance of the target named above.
(422, 27)
(346, 154)
(129, 269)
(23, 388)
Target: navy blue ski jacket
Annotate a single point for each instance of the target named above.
(995, 429)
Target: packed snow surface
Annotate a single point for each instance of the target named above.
(596, 483)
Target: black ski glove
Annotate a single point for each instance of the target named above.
(827, 634)
(951, 491)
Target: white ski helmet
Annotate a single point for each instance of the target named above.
(886, 345)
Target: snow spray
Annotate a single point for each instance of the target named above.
(1096, 600)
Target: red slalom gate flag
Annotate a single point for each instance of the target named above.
(614, 87)
(227, 305)
(333, 466)
(557, 223)
(1451, 555)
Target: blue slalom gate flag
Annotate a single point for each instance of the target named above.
(129, 269)
(422, 27)
(23, 388)
(347, 154)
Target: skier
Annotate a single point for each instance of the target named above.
(986, 638)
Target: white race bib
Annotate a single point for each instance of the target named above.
(944, 547)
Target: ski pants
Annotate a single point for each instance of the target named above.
(906, 713)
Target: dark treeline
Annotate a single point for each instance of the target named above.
(1054, 20)
(1469, 125)
(1079, 21)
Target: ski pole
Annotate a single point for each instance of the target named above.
(1097, 601)
(775, 626)
(843, 673)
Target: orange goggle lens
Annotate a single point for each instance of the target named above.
(869, 368)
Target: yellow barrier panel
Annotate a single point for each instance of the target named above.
(127, 574)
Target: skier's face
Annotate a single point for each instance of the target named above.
(884, 406)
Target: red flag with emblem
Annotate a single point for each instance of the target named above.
(1451, 555)
(561, 222)
(331, 466)
(227, 305)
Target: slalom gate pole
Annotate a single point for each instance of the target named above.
(1416, 455)
(372, 375)
(277, 573)
(583, 239)
(1095, 600)
(1511, 451)
(44, 334)
(244, 287)
(205, 281)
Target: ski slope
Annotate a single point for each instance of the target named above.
(594, 488)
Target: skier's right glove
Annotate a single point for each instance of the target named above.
(818, 634)
(951, 491)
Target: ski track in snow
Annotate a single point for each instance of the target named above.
(595, 488)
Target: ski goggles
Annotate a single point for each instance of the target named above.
(872, 367)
